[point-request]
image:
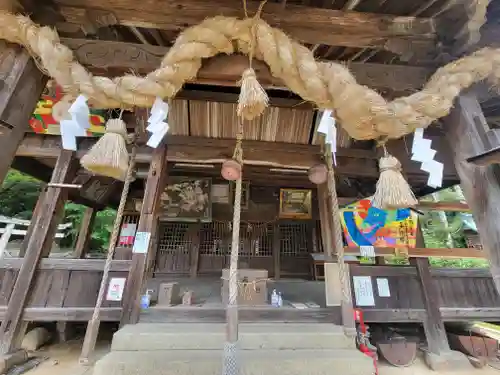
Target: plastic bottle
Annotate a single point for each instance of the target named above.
(274, 298)
(280, 300)
(145, 300)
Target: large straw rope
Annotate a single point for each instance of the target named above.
(361, 111)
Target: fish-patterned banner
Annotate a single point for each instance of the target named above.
(365, 225)
(42, 121)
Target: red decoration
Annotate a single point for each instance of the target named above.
(231, 170)
(318, 174)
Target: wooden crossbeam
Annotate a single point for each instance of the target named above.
(425, 252)
(226, 70)
(306, 24)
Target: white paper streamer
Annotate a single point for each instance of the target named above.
(328, 128)
(158, 127)
(423, 153)
(77, 125)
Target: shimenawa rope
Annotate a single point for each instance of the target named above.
(362, 112)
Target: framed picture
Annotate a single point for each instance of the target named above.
(187, 199)
(245, 193)
(295, 204)
(221, 193)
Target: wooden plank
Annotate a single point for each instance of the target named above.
(276, 251)
(85, 232)
(381, 271)
(460, 272)
(466, 128)
(394, 315)
(74, 314)
(226, 70)
(470, 314)
(435, 333)
(44, 230)
(330, 315)
(306, 24)
(424, 205)
(21, 84)
(68, 264)
(147, 223)
(425, 252)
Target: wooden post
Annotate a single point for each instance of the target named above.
(31, 228)
(195, 251)
(147, 223)
(276, 251)
(45, 227)
(435, 333)
(466, 132)
(21, 84)
(325, 221)
(84, 234)
(4, 240)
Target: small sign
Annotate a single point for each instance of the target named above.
(363, 291)
(127, 234)
(141, 242)
(115, 289)
(220, 193)
(367, 251)
(383, 287)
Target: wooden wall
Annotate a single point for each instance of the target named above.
(267, 242)
(464, 294)
(64, 289)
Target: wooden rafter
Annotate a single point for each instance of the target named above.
(308, 25)
(227, 70)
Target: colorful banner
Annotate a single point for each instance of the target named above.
(365, 225)
(42, 121)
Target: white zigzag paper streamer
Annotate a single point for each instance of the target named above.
(77, 125)
(328, 128)
(158, 127)
(423, 153)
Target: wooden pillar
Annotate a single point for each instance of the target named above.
(21, 84)
(276, 251)
(325, 221)
(44, 229)
(195, 251)
(466, 132)
(435, 333)
(147, 223)
(83, 240)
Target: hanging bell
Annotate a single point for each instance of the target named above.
(231, 170)
(318, 174)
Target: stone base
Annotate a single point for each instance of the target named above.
(448, 361)
(8, 361)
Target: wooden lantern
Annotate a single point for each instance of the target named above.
(231, 170)
(318, 174)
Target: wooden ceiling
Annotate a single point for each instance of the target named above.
(392, 46)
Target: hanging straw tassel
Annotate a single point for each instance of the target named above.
(393, 191)
(109, 156)
(253, 99)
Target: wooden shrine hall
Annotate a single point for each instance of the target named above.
(300, 235)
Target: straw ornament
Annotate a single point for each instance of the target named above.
(362, 112)
(109, 155)
(253, 99)
(392, 191)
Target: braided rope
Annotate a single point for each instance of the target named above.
(337, 228)
(362, 112)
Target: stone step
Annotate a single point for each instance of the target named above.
(252, 336)
(252, 362)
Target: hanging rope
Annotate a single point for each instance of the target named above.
(231, 365)
(94, 323)
(337, 230)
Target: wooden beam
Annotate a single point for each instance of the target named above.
(72, 314)
(184, 149)
(85, 232)
(226, 70)
(21, 84)
(68, 264)
(44, 231)
(424, 205)
(466, 131)
(147, 225)
(306, 24)
(425, 252)
(435, 333)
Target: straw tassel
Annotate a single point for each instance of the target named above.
(109, 156)
(253, 99)
(393, 191)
